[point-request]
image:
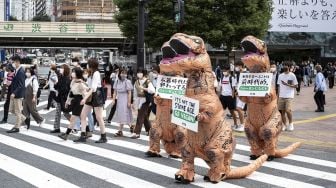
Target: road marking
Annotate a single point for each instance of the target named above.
(315, 119)
(92, 169)
(31, 174)
(120, 157)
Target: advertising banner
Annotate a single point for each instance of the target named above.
(303, 16)
(184, 112)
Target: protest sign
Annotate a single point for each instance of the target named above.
(185, 111)
(254, 84)
(168, 86)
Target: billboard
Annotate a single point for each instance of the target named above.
(303, 16)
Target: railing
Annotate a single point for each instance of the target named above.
(59, 30)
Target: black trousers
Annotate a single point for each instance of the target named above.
(112, 111)
(6, 106)
(298, 89)
(331, 82)
(51, 98)
(319, 100)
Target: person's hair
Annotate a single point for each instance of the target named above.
(10, 67)
(78, 72)
(75, 60)
(239, 63)
(226, 67)
(53, 67)
(122, 70)
(17, 58)
(318, 68)
(66, 69)
(156, 68)
(30, 70)
(93, 65)
(140, 70)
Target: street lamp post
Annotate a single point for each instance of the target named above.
(141, 34)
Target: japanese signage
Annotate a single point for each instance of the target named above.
(59, 29)
(168, 86)
(185, 111)
(254, 84)
(303, 16)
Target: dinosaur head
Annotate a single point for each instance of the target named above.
(184, 53)
(255, 54)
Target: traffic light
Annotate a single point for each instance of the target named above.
(178, 11)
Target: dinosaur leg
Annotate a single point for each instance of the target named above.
(253, 139)
(187, 171)
(155, 133)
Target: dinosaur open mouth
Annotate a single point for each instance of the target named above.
(175, 51)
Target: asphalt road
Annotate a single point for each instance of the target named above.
(36, 158)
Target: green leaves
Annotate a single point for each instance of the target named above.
(216, 21)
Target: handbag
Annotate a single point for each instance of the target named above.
(98, 97)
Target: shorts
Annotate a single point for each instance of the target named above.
(240, 104)
(228, 102)
(285, 104)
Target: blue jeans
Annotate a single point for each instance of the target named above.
(90, 122)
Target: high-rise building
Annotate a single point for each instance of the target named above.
(2, 10)
(16, 9)
(46, 7)
(86, 10)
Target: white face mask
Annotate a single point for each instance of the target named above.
(225, 73)
(85, 76)
(73, 75)
(75, 64)
(28, 74)
(273, 69)
(123, 76)
(244, 69)
(155, 75)
(61, 71)
(237, 69)
(140, 75)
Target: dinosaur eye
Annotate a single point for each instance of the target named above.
(197, 41)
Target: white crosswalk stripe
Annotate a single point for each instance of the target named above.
(90, 159)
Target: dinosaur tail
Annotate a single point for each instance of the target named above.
(244, 171)
(279, 153)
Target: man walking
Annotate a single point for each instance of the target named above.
(287, 83)
(320, 87)
(18, 91)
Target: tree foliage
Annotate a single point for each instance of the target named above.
(42, 18)
(216, 21)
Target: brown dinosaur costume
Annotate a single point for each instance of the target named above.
(186, 55)
(263, 124)
(162, 129)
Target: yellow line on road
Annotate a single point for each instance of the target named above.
(315, 119)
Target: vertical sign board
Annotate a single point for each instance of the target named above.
(185, 111)
(7, 11)
(254, 84)
(168, 86)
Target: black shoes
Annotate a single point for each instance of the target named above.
(64, 136)
(14, 130)
(27, 122)
(102, 139)
(3, 121)
(82, 138)
(55, 131)
(319, 110)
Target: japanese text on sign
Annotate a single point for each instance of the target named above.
(185, 111)
(303, 15)
(254, 84)
(168, 86)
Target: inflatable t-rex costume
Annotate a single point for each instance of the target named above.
(263, 124)
(186, 55)
(162, 129)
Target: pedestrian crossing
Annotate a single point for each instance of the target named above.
(36, 158)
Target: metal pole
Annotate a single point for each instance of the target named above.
(141, 33)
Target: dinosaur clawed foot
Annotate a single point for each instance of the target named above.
(180, 179)
(254, 157)
(152, 154)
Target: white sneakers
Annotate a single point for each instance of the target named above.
(238, 128)
(289, 127)
(42, 123)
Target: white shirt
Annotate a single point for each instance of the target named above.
(94, 81)
(138, 101)
(53, 79)
(286, 91)
(33, 82)
(226, 86)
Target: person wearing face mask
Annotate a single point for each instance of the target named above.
(30, 99)
(62, 87)
(143, 94)
(227, 92)
(113, 77)
(287, 83)
(78, 89)
(240, 105)
(156, 71)
(273, 70)
(123, 89)
(18, 92)
(75, 62)
(53, 79)
(298, 71)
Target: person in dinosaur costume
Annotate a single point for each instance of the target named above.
(263, 124)
(162, 129)
(186, 56)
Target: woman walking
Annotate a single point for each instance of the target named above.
(30, 99)
(95, 92)
(123, 89)
(143, 90)
(76, 94)
(62, 87)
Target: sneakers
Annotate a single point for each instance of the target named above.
(135, 136)
(42, 123)
(239, 128)
(289, 127)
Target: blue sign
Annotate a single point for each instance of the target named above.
(2, 55)
(7, 12)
